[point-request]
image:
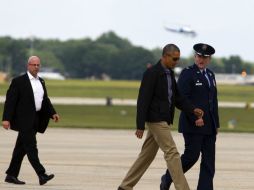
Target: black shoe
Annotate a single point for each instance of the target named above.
(15, 180)
(44, 178)
(164, 185)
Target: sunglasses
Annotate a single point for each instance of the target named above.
(173, 58)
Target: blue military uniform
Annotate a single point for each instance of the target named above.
(195, 86)
(199, 87)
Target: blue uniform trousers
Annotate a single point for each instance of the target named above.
(194, 145)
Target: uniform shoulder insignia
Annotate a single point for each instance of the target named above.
(185, 69)
(190, 67)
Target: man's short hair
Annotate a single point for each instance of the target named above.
(31, 58)
(170, 48)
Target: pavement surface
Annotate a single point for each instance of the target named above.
(85, 159)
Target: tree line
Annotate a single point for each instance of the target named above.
(108, 55)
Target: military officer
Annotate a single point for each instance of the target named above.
(197, 83)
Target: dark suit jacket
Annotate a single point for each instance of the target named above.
(19, 107)
(194, 86)
(152, 103)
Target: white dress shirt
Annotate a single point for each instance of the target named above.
(37, 90)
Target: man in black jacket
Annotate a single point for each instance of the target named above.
(27, 110)
(158, 96)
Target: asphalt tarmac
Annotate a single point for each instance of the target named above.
(86, 159)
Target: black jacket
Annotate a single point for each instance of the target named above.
(19, 107)
(152, 103)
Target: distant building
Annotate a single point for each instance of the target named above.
(51, 75)
(234, 79)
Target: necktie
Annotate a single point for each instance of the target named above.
(206, 76)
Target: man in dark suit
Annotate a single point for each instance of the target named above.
(197, 83)
(158, 96)
(27, 109)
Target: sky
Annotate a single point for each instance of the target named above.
(227, 25)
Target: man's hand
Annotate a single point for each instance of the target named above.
(199, 122)
(6, 124)
(56, 117)
(198, 112)
(139, 133)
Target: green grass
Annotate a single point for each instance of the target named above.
(123, 117)
(87, 88)
(109, 117)
(236, 93)
(244, 119)
(127, 89)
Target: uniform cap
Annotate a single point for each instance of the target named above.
(204, 49)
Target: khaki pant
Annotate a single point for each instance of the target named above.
(158, 136)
